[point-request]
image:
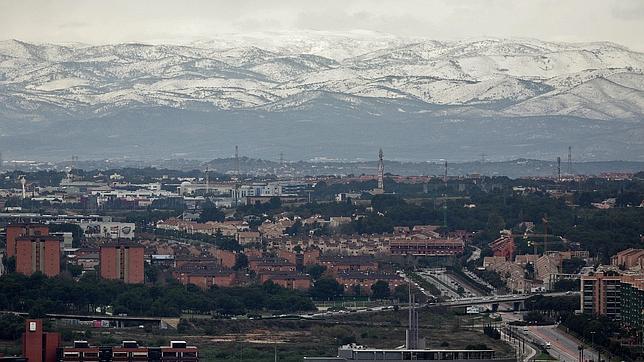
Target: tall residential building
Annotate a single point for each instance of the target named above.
(123, 262)
(37, 345)
(38, 254)
(632, 302)
(601, 294)
(16, 230)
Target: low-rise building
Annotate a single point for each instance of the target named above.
(352, 280)
(629, 259)
(337, 264)
(503, 246)
(205, 276)
(248, 237)
(289, 280)
(426, 246)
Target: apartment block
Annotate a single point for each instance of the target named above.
(14, 231)
(37, 345)
(38, 254)
(123, 262)
(632, 303)
(601, 293)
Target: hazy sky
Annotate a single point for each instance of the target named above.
(103, 21)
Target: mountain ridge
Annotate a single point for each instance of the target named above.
(341, 82)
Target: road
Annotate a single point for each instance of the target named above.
(563, 346)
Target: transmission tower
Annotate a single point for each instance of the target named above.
(237, 160)
(381, 171)
(207, 179)
(238, 175)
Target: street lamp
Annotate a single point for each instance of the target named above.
(592, 339)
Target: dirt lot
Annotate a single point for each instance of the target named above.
(260, 340)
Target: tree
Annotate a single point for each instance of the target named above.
(326, 289)
(241, 261)
(315, 271)
(9, 264)
(401, 293)
(183, 326)
(11, 326)
(210, 212)
(380, 290)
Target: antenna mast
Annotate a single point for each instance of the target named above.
(558, 169)
(381, 171)
(412, 332)
(569, 160)
(237, 160)
(237, 173)
(207, 179)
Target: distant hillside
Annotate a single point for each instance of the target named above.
(322, 95)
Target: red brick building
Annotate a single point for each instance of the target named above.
(268, 264)
(123, 262)
(428, 246)
(38, 254)
(288, 255)
(337, 264)
(205, 277)
(503, 246)
(195, 262)
(226, 258)
(16, 230)
(311, 256)
(37, 345)
(364, 280)
(287, 279)
(177, 351)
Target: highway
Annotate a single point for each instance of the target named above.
(500, 299)
(563, 346)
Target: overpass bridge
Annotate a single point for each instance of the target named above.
(516, 299)
(118, 321)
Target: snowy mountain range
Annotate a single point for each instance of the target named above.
(304, 76)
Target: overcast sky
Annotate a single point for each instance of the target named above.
(105, 21)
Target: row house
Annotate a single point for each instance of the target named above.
(336, 264)
(204, 276)
(363, 280)
(629, 259)
(270, 264)
(426, 246)
(288, 280)
(503, 246)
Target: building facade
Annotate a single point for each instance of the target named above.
(38, 345)
(123, 262)
(601, 294)
(632, 303)
(38, 254)
(14, 231)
